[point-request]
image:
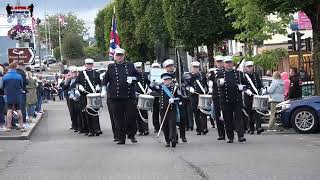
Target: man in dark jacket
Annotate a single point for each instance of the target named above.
(295, 90)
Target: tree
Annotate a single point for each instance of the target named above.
(312, 10)
(254, 23)
(72, 46)
(269, 59)
(92, 52)
(102, 28)
(73, 25)
(56, 53)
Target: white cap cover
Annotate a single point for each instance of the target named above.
(88, 61)
(195, 63)
(168, 62)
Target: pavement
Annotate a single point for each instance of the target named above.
(56, 153)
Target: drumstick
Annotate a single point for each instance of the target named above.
(165, 115)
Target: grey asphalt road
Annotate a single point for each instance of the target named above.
(56, 153)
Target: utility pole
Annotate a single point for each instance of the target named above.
(61, 57)
(39, 46)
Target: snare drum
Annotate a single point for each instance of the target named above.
(94, 100)
(145, 102)
(260, 102)
(205, 102)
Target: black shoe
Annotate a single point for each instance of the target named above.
(75, 131)
(140, 134)
(259, 131)
(251, 132)
(97, 134)
(191, 129)
(81, 132)
(198, 133)
(100, 132)
(242, 139)
(116, 140)
(221, 138)
(86, 134)
(187, 129)
(184, 139)
(173, 144)
(230, 141)
(91, 134)
(121, 142)
(133, 140)
(71, 128)
(205, 131)
(168, 144)
(146, 133)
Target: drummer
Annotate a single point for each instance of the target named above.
(214, 90)
(156, 102)
(169, 98)
(198, 85)
(256, 87)
(142, 88)
(121, 78)
(231, 85)
(86, 85)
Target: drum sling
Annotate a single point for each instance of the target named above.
(168, 92)
(92, 88)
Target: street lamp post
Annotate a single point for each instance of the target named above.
(39, 48)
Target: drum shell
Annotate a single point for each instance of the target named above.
(260, 103)
(205, 102)
(94, 100)
(145, 102)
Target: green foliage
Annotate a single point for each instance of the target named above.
(73, 25)
(270, 58)
(72, 46)
(91, 52)
(256, 25)
(103, 23)
(56, 53)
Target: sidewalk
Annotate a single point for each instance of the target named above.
(17, 135)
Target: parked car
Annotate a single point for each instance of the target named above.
(301, 114)
(35, 65)
(49, 59)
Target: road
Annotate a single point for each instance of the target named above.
(56, 153)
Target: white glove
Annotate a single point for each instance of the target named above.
(76, 92)
(129, 80)
(180, 103)
(149, 91)
(98, 88)
(264, 91)
(210, 84)
(221, 82)
(81, 88)
(241, 87)
(210, 90)
(153, 83)
(171, 100)
(104, 91)
(191, 90)
(248, 91)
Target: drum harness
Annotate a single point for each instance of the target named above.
(204, 92)
(96, 113)
(144, 92)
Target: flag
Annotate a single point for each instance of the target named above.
(34, 25)
(240, 66)
(114, 36)
(61, 20)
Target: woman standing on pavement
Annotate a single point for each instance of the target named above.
(276, 92)
(31, 95)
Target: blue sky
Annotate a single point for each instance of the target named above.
(84, 9)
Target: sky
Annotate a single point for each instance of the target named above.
(84, 9)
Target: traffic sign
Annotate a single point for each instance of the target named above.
(20, 55)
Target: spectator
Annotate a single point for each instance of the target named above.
(59, 86)
(20, 70)
(268, 73)
(12, 83)
(47, 87)
(295, 90)
(31, 95)
(303, 75)
(276, 92)
(285, 78)
(2, 103)
(39, 94)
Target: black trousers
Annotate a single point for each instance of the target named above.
(200, 118)
(220, 123)
(142, 126)
(111, 114)
(182, 122)
(233, 119)
(169, 127)
(69, 109)
(124, 111)
(155, 113)
(74, 110)
(187, 112)
(253, 117)
(90, 123)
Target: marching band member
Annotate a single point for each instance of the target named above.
(156, 103)
(169, 109)
(255, 85)
(141, 85)
(215, 95)
(230, 83)
(89, 82)
(121, 78)
(186, 101)
(168, 65)
(198, 85)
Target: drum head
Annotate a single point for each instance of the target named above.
(205, 96)
(93, 95)
(145, 96)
